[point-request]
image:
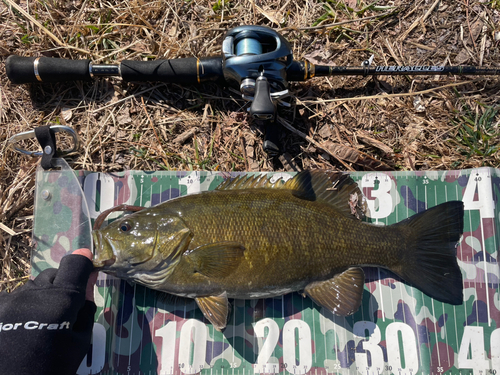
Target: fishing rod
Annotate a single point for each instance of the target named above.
(256, 60)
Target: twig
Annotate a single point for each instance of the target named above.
(126, 98)
(155, 133)
(185, 136)
(270, 17)
(468, 23)
(387, 95)
(483, 45)
(336, 23)
(14, 280)
(6, 229)
(244, 151)
(285, 123)
(418, 21)
(42, 28)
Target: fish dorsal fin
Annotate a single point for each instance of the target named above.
(250, 182)
(217, 259)
(337, 189)
(341, 294)
(215, 309)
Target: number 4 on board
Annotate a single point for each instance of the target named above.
(480, 183)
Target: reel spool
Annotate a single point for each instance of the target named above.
(247, 43)
(248, 51)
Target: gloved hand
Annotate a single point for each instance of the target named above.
(46, 325)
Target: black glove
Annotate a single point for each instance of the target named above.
(46, 325)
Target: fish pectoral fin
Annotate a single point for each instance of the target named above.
(341, 294)
(215, 309)
(217, 259)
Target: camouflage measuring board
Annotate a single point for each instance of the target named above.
(398, 329)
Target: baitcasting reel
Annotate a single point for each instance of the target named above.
(255, 60)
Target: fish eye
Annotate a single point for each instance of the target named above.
(125, 227)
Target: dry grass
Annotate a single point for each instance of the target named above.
(345, 123)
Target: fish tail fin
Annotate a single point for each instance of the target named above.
(429, 261)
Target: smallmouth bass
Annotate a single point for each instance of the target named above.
(251, 238)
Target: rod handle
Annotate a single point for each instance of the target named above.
(46, 69)
(184, 70)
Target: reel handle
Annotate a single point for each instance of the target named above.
(262, 107)
(272, 139)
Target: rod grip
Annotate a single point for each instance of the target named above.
(186, 70)
(23, 69)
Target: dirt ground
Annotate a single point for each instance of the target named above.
(343, 123)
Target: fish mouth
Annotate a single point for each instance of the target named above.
(104, 256)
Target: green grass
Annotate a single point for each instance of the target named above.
(495, 4)
(476, 135)
(333, 6)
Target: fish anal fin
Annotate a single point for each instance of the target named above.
(215, 260)
(215, 309)
(341, 294)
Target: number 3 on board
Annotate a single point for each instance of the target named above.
(380, 197)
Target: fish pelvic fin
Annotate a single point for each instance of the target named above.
(215, 309)
(217, 259)
(429, 261)
(341, 294)
(335, 188)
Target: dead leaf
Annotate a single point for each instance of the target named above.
(66, 113)
(271, 15)
(352, 155)
(418, 104)
(250, 151)
(343, 152)
(124, 117)
(462, 57)
(254, 166)
(476, 28)
(288, 163)
(350, 3)
(353, 203)
(325, 132)
(409, 160)
(319, 56)
(140, 47)
(368, 139)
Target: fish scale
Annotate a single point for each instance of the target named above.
(330, 251)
